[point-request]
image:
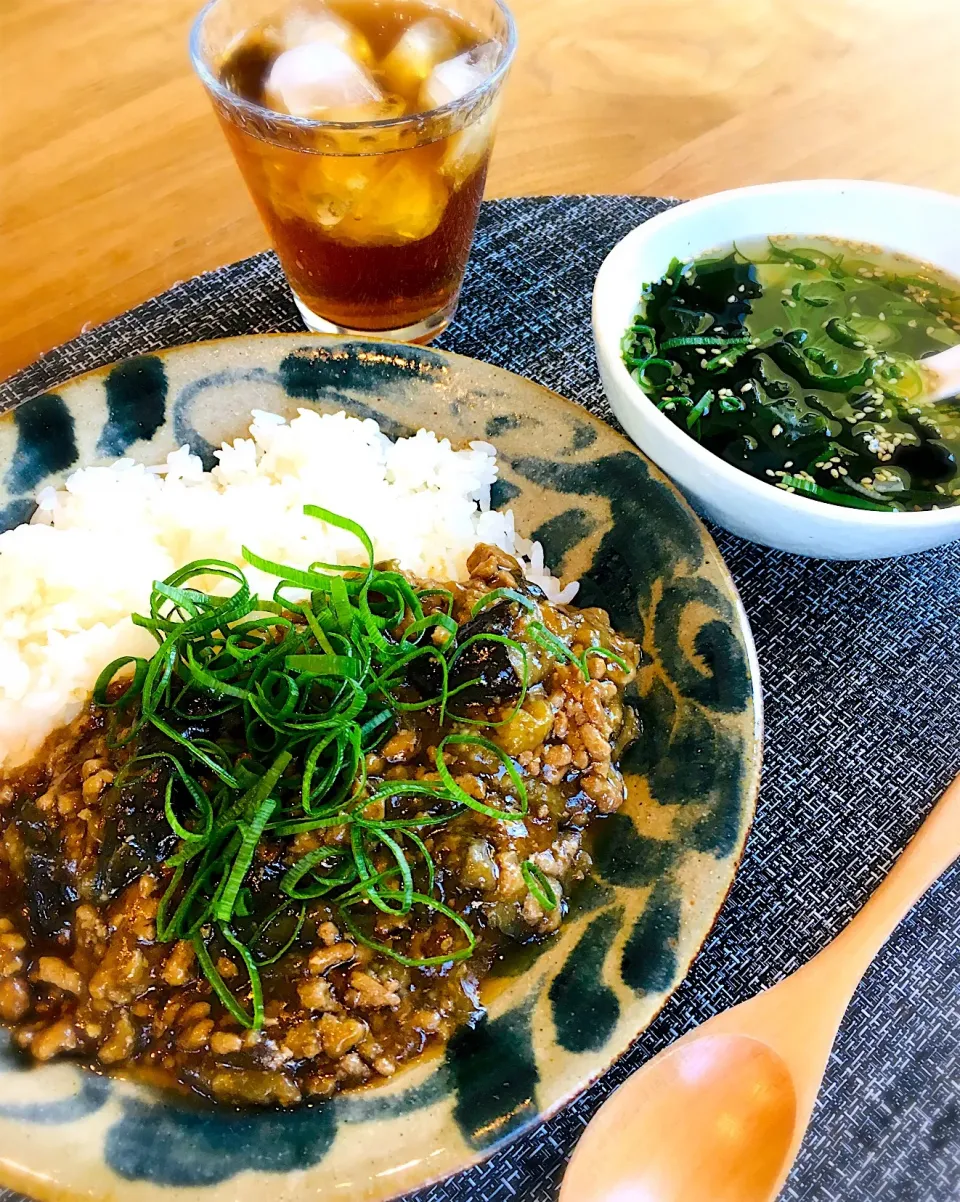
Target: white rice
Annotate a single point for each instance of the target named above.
(71, 578)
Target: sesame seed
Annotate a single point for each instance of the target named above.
(912, 323)
(931, 331)
(770, 472)
(777, 430)
(746, 387)
(731, 300)
(789, 463)
(791, 303)
(882, 316)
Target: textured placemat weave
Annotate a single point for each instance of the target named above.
(861, 667)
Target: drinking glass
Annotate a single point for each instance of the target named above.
(372, 220)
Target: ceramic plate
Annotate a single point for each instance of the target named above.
(663, 864)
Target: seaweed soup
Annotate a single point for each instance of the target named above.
(799, 361)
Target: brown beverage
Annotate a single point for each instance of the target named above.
(372, 213)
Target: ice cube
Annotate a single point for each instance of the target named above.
(404, 204)
(282, 181)
(467, 149)
(455, 77)
(418, 51)
(331, 185)
(304, 25)
(321, 81)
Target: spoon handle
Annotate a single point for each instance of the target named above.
(929, 853)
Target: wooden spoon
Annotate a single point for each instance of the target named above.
(719, 1116)
(941, 375)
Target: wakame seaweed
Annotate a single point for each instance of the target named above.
(798, 364)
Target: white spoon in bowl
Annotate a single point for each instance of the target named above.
(941, 373)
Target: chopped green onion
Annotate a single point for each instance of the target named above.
(278, 955)
(510, 594)
(463, 796)
(702, 340)
(603, 653)
(209, 969)
(811, 489)
(539, 885)
(312, 684)
(430, 903)
(700, 409)
(251, 832)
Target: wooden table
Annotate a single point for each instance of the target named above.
(116, 181)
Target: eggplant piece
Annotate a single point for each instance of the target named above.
(136, 836)
(488, 663)
(264, 874)
(49, 892)
(262, 884)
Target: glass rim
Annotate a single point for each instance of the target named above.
(286, 120)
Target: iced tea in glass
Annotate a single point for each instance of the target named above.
(363, 129)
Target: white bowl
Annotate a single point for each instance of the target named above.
(922, 224)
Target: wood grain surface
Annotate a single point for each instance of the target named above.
(116, 181)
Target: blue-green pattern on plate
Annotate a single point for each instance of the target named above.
(559, 1012)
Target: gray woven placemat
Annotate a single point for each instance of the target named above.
(861, 667)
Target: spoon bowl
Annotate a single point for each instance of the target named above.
(732, 1095)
